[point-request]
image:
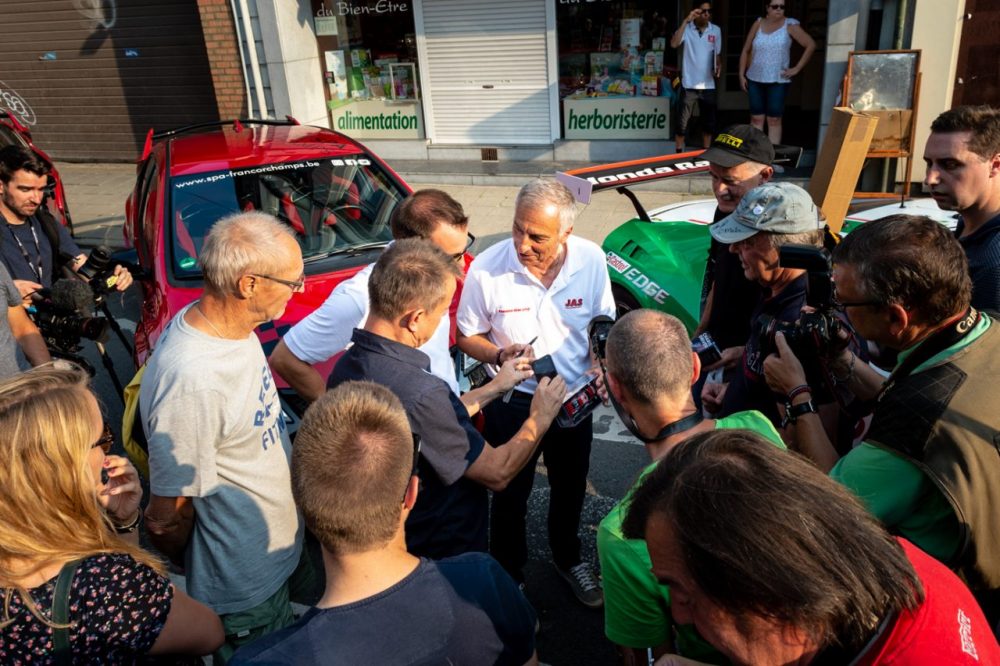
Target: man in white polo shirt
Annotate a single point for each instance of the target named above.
(536, 295)
(702, 41)
(429, 214)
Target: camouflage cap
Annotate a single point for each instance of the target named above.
(780, 208)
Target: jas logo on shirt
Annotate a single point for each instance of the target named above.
(574, 303)
(711, 39)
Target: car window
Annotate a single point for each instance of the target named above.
(332, 206)
(9, 137)
(147, 213)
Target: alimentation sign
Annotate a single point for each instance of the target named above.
(379, 119)
(616, 118)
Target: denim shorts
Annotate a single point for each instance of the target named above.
(767, 99)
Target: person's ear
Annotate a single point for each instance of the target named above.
(246, 286)
(617, 390)
(412, 490)
(994, 166)
(412, 319)
(695, 368)
(899, 319)
(766, 174)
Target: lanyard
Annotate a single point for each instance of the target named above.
(933, 345)
(35, 269)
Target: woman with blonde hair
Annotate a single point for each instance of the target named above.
(76, 585)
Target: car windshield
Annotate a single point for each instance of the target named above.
(332, 205)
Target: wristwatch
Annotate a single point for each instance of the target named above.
(793, 412)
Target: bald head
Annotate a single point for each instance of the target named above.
(649, 355)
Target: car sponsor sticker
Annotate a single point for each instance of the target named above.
(618, 263)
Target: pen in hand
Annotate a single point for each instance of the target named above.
(510, 391)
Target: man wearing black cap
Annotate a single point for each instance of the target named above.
(740, 160)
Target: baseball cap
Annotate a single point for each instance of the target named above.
(738, 144)
(781, 208)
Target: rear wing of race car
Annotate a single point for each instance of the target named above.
(585, 182)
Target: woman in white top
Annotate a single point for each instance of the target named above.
(764, 70)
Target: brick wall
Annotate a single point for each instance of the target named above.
(224, 57)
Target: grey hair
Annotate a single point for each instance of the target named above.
(541, 192)
(814, 237)
(649, 353)
(239, 244)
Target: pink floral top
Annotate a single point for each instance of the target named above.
(770, 54)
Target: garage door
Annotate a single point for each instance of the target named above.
(90, 77)
(487, 68)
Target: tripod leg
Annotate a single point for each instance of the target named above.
(113, 323)
(110, 367)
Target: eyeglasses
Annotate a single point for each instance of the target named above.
(705, 11)
(776, 7)
(416, 461)
(458, 256)
(105, 441)
(297, 285)
(840, 305)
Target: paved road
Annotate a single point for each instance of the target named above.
(571, 634)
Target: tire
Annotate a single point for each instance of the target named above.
(624, 301)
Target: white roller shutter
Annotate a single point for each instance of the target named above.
(487, 71)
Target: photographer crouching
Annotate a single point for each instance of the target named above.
(928, 464)
(768, 219)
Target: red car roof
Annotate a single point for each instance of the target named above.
(226, 148)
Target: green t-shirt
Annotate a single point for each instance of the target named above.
(897, 492)
(636, 605)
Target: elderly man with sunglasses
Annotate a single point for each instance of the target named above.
(220, 486)
(429, 214)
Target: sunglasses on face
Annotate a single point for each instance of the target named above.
(776, 7)
(295, 286)
(105, 441)
(458, 256)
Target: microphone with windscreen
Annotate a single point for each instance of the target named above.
(73, 295)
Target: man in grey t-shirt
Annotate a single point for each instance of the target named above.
(220, 487)
(21, 345)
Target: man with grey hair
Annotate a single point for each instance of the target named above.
(536, 295)
(220, 487)
(650, 370)
(768, 217)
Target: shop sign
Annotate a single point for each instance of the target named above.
(345, 8)
(379, 119)
(616, 118)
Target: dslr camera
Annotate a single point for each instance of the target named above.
(815, 333)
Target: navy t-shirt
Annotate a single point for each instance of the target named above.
(451, 513)
(13, 258)
(735, 296)
(982, 249)
(461, 610)
(748, 389)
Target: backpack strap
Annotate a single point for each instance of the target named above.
(61, 651)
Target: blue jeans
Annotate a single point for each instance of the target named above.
(767, 99)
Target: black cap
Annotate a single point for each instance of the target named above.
(738, 144)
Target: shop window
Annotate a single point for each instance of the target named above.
(616, 67)
(368, 51)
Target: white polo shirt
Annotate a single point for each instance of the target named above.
(328, 329)
(700, 49)
(511, 306)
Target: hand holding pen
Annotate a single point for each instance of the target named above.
(517, 354)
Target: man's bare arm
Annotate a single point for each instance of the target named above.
(301, 376)
(169, 522)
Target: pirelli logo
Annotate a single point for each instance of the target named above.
(729, 140)
(617, 263)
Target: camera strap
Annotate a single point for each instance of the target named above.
(36, 266)
(933, 345)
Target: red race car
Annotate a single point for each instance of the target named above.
(335, 195)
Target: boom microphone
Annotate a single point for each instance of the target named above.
(73, 295)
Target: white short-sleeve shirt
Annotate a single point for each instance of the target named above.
(328, 329)
(700, 49)
(511, 306)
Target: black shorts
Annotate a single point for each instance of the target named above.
(705, 99)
